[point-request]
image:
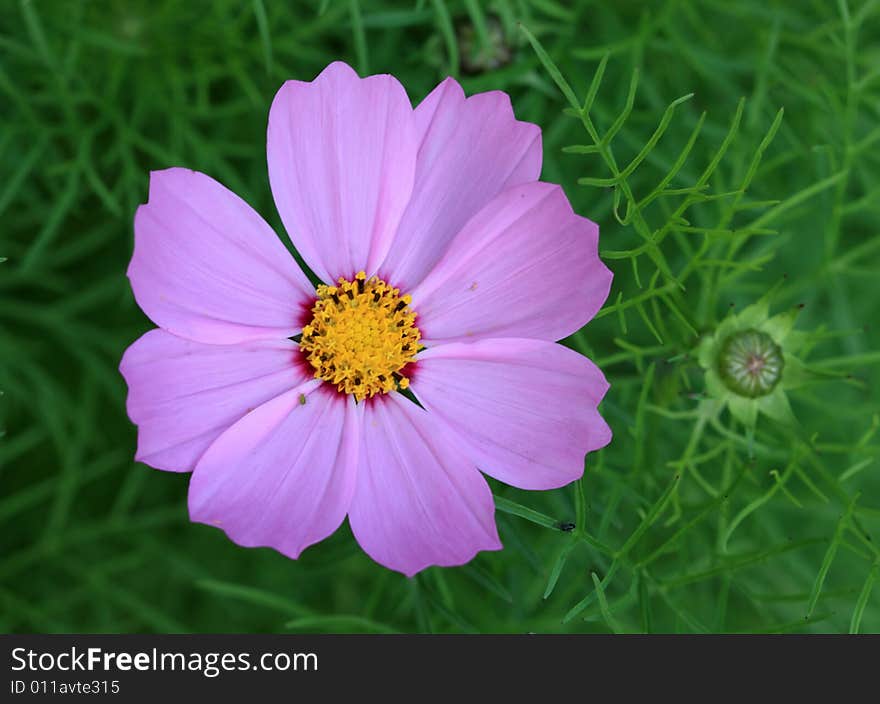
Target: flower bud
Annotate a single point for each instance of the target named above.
(750, 363)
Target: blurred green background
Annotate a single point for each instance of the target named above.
(684, 524)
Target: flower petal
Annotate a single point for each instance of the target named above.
(524, 266)
(419, 501)
(342, 155)
(183, 394)
(207, 267)
(283, 476)
(525, 410)
(471, 149)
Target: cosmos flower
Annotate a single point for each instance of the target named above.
(448, 270)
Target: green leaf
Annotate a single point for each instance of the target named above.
(776, 406)
(780, 325)
(745, 410)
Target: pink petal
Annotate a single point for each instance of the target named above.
(525, 409)
(342, 154)
(419, 501)
(471, 149)
(283, 476)
(183, 394)
(524, 266)
(208, 268)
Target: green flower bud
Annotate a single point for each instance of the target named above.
(750, 363)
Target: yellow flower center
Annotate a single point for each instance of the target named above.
(361, 335)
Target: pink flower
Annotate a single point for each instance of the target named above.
(451, 270)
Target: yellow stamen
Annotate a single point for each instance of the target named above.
(361, 335)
